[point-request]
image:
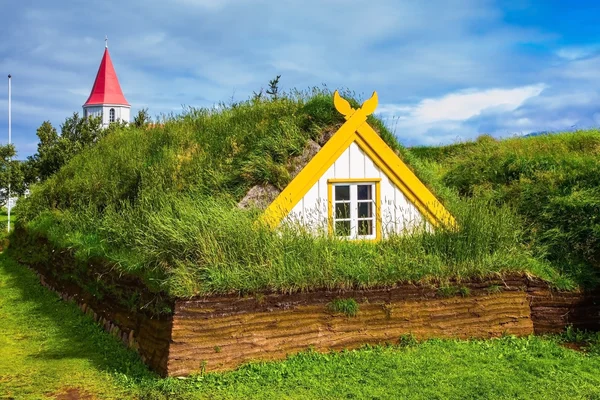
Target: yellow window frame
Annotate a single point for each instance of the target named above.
(376, 182)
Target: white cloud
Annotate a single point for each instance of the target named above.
(469, 103)
(561, 97)
(204, 4)
(466, 114)
(23, 111)
(460, 106)
(418, 56)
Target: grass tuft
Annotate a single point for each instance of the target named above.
(349, 307)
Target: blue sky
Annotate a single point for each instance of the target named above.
(445, 70)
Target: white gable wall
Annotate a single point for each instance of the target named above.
(397, 213)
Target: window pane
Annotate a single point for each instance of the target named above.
(365, 210)
(342, 210)
(365, 227)
(365, 192)
(342, 228)
(342, 193)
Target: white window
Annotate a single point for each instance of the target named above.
(354, 210)
(111, 115)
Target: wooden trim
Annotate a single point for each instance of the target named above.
(412, 198)
(312, 172)
(399, 173)
(330, 208)
(377, 217)
(356, 180)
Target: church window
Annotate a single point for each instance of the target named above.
(111, 115)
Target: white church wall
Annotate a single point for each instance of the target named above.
(92, 111)
(398, 214)
(121, 112)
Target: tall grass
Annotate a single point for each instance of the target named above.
(552, 182)
(193, 245)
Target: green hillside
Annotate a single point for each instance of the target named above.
(551, 181)
(160, 203)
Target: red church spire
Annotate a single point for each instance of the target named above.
(106, 88)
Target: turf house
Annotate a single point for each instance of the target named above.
(261, 228)
(356, 186)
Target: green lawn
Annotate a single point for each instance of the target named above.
(4, 218)
(48, 347)
(4, 215)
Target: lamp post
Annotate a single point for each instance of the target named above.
(9, 140)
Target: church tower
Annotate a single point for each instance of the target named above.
(106, 98)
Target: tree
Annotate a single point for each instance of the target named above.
(47, 158)
(273, 89)
(56, 150)
(77, 133)
(10, 172)
(142, 118)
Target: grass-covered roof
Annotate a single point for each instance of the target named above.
(161, 203)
